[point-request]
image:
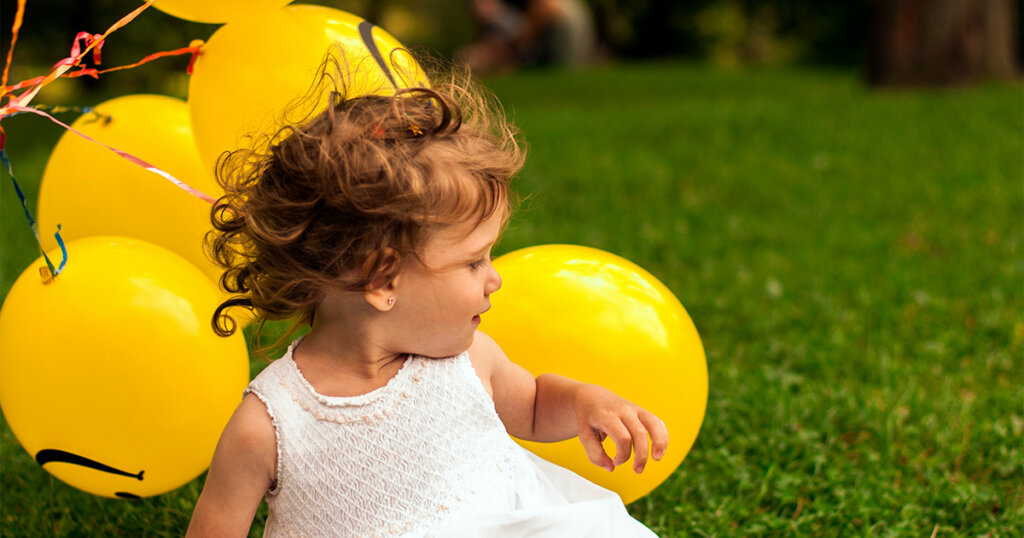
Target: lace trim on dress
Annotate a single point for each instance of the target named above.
(374, 406)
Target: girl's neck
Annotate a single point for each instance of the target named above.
(345, 358)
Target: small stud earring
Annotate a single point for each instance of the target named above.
(391, 301)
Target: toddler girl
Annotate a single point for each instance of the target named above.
(374, 223)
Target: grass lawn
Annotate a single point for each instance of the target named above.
(852, 259)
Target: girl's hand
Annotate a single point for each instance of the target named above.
(600, 413)
(551, 408)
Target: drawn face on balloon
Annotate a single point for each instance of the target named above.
(111, 376)
(51, 455)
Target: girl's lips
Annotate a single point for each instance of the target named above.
(476, 318)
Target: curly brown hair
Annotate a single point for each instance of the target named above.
(322, 205)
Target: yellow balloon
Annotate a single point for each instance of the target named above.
(216, 10)
(598, 318)
(251, 70)
(90, 191)
(111, 376)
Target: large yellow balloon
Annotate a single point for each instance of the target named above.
(595, 317)
(111, 376)
(215, 10)
(251, 70)
(91, 191)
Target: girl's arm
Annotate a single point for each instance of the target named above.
(242, 471)
(553, 408)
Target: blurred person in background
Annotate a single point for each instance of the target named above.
(530, 33)
(494, 49)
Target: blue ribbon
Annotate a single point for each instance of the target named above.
(32, 222)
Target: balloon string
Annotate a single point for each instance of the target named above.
(192, 49)
(15, 28)
(58, 109)
(125, 155)
(92, 41)
(53, 272)
(83, 43)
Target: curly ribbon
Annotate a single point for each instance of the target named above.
(60, 109)
(123, 154)
(91, 41)
(192, 49)
(15, 28)
(53, 272)
(83, 44)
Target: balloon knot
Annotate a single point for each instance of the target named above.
(196, 45)
(45, 275)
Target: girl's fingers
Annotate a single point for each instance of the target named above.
(640, 444)
(623, 441)
(658, 432)
(591, 440)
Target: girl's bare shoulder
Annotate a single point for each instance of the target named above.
(484, 353)
(250, 433)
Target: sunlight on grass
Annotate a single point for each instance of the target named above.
(852, 260)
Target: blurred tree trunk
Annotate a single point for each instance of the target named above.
(942, 42)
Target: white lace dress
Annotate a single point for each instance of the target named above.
(424, 455)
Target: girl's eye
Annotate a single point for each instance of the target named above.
(478, 264)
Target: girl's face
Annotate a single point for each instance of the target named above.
(438, 301)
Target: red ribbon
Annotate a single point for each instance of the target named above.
(83, 43)
(91, 41)
(15, 28)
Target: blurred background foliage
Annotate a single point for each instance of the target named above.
(725, 33)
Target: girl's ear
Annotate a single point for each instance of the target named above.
(382, 298)
(381, 293)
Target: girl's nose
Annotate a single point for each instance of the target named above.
(493, 281)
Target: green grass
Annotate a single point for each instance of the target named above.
(852, 259)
